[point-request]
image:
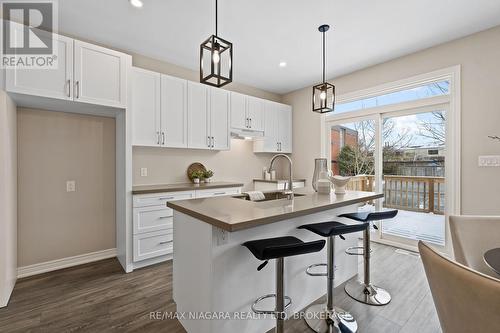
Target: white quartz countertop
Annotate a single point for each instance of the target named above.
(233, 214)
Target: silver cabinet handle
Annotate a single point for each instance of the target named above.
(69, 87)
(77, 89)
(246, 122)
(163, 243)
(162, 138)
(166, 198)
(219, 193)
(164, 217)
(157, 138)
(250, 122)
(213, 142)
(281, 148)
(208, 142)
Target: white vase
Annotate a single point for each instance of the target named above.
(340, 183)
(196, 180)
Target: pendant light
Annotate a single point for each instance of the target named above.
(324, 93)
(216, 59)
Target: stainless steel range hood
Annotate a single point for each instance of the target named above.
(244, 134)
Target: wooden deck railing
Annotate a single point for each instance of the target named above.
(419, 194)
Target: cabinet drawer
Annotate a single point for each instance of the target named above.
(220, 192)
(154, 218)
(160, 199)
(153, 244)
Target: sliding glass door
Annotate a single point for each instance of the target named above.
(399, 148)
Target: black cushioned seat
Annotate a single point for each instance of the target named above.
(371, 216)
(327, 229)
(280, 247)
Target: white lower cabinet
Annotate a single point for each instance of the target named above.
(153, 244)
(153, 222)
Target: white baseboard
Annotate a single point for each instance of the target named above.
(54, 265)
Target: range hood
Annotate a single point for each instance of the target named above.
(246, 134)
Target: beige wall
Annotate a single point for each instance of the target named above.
(54, 147)
(479, 56)
(8, 197)
(169, 165)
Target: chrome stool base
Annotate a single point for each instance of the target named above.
(367, 294)
(320, 320)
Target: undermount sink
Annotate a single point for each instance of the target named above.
(269, 196)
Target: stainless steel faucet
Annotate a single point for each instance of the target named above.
(289, 191)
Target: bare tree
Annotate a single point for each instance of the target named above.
(434, 129)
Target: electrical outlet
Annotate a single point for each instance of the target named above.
(489, 161)
(144, 172)
(70, 186)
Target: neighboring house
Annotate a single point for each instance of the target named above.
(341, 136)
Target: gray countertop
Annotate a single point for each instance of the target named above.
(146, 189)
(277, 180)
(233, 214)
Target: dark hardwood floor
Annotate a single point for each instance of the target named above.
(99, 297)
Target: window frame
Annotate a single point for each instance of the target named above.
(450, 102)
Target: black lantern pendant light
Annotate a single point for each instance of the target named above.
(216, 59)
(324, 93)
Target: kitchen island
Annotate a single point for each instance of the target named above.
(214, 274)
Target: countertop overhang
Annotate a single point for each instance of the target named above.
(148, 189)
(233, 214)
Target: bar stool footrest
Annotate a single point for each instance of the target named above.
(356, 251)
(308, 270)
(288, 302)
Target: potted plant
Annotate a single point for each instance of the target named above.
(197, 176)
(207, 175)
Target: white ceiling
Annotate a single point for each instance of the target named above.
(265, 32)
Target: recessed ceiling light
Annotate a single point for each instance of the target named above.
(283, 64)
(136, 3)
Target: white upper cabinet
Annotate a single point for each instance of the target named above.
(145, 107)
(85, 73)
(219, 119)
(198, 118)
(100, 75)
(174, 118)
(208, 117)
(278, 129)
(159, 109)
(53, 83)
(285, 128)
(255, 113)
(239, 117)
(247, 112)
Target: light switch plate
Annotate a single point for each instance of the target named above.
(144, 172)
(70, 186)
(489, 161)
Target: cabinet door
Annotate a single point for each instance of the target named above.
(285, 128)
(174, 112)
(53, 83)
(145, 107)
(271, 129)
(219, 118)
(238, 111)
(255, 113)
(100, 75)
(198, 121)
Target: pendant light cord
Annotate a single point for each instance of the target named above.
(215, 17)
(324, 56)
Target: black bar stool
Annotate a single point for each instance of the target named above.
(279, 248)
(364, 291)
(326, 317)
